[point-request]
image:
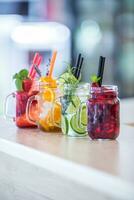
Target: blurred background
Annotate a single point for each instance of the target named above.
(90, 27)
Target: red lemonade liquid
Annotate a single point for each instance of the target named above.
(30, 89)
(103, 113)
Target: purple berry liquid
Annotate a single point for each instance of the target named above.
(103, 113)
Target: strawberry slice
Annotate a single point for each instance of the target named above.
(22, 122)
(21, 102)
(27, 84)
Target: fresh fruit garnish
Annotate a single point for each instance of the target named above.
(49, 81)
(95, 81)
(73, 105)
(64, 124)
(94, 85)
(47, 124)
(57, 113)
(19, 78)
(22, 98)
(75, 126)
(50, 116)
(48, 94)
(22, 122)
(44, 125)
(27, 84)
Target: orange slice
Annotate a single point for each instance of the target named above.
(57, 113)
(48, 95)
(43, 124)
(47, 122)
(49, 81)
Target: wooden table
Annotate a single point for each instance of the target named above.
(50, 166)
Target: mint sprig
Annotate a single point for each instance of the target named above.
(19, 77)
(94, 79)
(71, 78)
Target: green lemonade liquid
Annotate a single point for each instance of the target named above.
(74, 116)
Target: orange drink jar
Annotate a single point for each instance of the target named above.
(49, 116)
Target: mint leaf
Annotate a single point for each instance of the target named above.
(18, 83)
(15, 76)
(23, 74)
(94, 79)
(19, 77)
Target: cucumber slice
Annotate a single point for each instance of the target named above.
(64, 125)
(75, 126)
(83, 115)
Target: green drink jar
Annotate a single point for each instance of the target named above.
(74, 109)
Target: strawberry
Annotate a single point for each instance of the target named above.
(27, 84)
(21, 102)
(95, 81)
(95, 84)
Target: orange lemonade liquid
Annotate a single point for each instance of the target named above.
(50, 108)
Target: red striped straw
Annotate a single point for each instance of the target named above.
(35, 59)
(38, 62)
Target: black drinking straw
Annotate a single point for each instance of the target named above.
(77, 64)
(101, 69)
(79, 68)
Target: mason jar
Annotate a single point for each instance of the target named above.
(74, 109)
(49, 108)
(19, 107)
(103, 112)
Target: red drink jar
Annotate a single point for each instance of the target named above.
(103, 112)
(21, 98)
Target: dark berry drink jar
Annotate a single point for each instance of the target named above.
(103, 112)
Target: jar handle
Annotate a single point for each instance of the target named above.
(53, 112)
(6, 106)
(28, 107)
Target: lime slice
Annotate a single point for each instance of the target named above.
(74, 104)
(83, 115)
(75, 127)
(64, 124)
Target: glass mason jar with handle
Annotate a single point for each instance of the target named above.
(74, 110)
(49, 116)
(21, 98)
(103, 112)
